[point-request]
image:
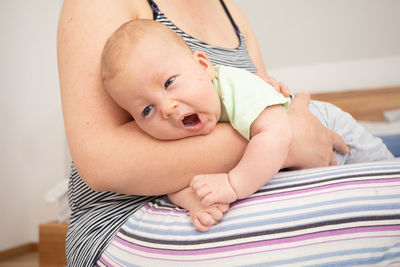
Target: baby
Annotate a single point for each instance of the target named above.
(173, 92)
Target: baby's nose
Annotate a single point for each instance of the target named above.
(169, 108)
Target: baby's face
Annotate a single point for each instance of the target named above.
(168, 91)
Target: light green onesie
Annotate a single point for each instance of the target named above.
(244, 96)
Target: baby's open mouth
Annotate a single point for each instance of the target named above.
(191, 120)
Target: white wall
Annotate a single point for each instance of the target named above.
(33, 151)
(325, 45)
(307, 38)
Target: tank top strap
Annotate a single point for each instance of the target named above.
(230, 17)
(156, 11)
(155, 8)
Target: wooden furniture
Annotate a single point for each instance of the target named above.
(367, 105)
(14, 252)
(52, 244)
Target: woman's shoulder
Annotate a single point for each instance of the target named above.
(104, 10)
(85, 25)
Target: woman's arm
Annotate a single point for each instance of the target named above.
(109, 151)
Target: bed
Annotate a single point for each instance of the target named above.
(332, 216)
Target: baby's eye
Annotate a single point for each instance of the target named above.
(168, 82)
(147, 110)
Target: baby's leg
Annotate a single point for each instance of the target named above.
(364, 147)
(203, 217)
(213, 189)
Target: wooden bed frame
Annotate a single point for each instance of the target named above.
(366, 105)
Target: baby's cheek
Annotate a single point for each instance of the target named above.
(209, 128)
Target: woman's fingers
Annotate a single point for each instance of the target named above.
(284, 89)
(279, 86)
(333, 160)
(338, 144)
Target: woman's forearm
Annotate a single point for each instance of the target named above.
(127, 161)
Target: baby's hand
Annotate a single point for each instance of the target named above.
(204, 218)
(213, 188)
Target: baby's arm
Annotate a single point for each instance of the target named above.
(203, 217)
(264, 156)
(271, 136)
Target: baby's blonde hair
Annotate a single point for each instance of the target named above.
(126, 37)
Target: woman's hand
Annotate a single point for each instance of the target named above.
(279, 86)
(313, 143)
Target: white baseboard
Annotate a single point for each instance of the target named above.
(340, 76)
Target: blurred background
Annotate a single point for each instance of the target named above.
(327, 45)
(314, 45)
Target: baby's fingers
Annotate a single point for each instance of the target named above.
(208, 199)
(202, 191)
(200, 187)
(197, 182)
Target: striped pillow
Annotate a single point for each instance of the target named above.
(345, 215)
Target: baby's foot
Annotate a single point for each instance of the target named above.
(204, 218)
(213, 188)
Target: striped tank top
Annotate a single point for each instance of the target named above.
(97, 216)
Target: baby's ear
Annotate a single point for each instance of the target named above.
(205, 63)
